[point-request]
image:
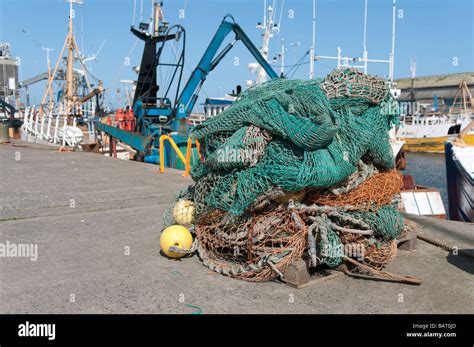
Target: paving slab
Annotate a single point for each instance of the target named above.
(102, 254)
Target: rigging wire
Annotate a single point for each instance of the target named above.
(297, 65)
(82, 32)
(274, 12)
(281, 14)
(294, 72)
(141, 11)
(165, 77)
(87, 70)
(291, 65)
(122, 65)
(134, 11)
(190, 71)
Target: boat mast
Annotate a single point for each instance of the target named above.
(282, 68)
(157, 18)
(365, 53)
(48, 62)
(268, 29)
(71, 45)
(412, 88)
(70, 60)
(392, 53)
(343, 61)
(313, 44)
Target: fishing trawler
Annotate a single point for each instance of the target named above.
(65, 118)
(428, 130)
(429, 133)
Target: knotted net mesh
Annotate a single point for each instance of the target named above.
(297, 169)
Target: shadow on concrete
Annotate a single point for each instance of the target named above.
(175, 259)
(461, 261)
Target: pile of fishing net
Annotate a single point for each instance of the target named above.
(295, 169)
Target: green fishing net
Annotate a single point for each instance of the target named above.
(288, 136)
(305, 139)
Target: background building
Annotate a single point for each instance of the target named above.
(9, 91)
(431, 94)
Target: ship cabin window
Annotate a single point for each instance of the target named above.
(455, 129)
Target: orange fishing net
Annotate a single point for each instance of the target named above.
(372, 194)
(377, 256)
(254, 249)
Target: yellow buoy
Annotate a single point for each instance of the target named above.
(183, 212)
(175, 235)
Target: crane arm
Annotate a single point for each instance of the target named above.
(209, 61)
(94, 92)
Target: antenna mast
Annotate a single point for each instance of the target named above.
(392, 53)
(268, 29)
(71, 45)
(313, 44)
(412, 86)
(343, 61)
(70, 60)
(365, 53)
(48, 62)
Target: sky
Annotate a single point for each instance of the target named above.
(438, 34)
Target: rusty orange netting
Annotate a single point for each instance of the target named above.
(254, 249)
(377, 256)
(375, 192)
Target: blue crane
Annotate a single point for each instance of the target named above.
(155, 116)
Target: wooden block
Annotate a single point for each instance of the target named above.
(296, 273)
(408, 243)
(316, 280)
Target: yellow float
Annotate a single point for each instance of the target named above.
(178, 236)
(183, 212)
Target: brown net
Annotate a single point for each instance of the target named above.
(374, 253)
(379, 255)
(348, 82)
(254, 249)
(375, 192)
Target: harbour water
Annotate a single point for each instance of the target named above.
(428, 169)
